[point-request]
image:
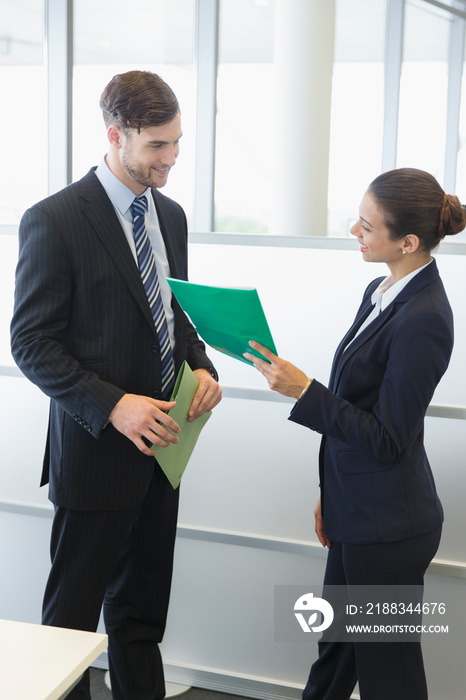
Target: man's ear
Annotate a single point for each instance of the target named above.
(114, 135)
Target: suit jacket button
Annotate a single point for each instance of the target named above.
(155, 349)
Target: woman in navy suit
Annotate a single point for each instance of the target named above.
(379, 513)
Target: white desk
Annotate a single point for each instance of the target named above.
(43, 663)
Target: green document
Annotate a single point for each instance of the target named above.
(174, 459)
(226, 318)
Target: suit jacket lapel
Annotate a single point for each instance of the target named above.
(423, 278)
(169, 237)
(363, 312)
(99, 211)
(363, 337)
(173, 240)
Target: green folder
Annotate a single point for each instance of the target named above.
(226, 318)
(174, 458)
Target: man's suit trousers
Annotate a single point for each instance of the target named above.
(123, 559)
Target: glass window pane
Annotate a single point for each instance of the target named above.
(356, 135)
(461, 169)
(423, 89)
(8, 258)
(114, 40)
(23, 176)
(245, 109)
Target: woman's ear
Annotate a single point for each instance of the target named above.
(410, 243)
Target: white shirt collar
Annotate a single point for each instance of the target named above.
(120, 195)
(387, 291)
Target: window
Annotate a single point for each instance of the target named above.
(423, 89)
(245, 111)
(461, 166)
(357, 117)
(23, 176)
(163, 43)
(23, 124)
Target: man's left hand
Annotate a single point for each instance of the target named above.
(207, 396)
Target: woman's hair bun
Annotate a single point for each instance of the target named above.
(452, 216)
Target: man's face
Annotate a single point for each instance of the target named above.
(145, 159)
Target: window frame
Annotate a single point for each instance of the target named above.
(59, 42)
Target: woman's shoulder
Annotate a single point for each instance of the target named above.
(372, 286)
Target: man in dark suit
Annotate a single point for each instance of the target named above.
(86, 332)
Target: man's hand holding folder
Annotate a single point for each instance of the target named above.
(174, 458)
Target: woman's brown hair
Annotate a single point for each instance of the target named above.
(413, 202)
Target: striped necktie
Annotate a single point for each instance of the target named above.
(148, 270)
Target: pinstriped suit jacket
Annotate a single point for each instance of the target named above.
(82, 331)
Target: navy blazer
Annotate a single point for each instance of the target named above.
(375, 478)
(83, 332)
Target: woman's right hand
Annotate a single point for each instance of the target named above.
(323, 539)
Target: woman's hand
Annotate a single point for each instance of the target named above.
(281, 375)
(323, 539)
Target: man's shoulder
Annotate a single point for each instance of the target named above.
(163, 200)
(70, 193)
(169, 209)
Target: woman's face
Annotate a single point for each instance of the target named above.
(372, 234)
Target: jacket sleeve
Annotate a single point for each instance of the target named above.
(197, 356)
(43, 301)
(417, 357)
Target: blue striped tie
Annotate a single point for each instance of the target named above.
(148, 270)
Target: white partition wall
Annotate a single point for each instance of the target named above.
(246, 521)
(247, 497)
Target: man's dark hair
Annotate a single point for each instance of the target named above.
(137, 100)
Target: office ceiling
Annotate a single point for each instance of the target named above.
(108, 33)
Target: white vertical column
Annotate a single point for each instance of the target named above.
(59, 51)
(455, 75)
(304, 51)
(393, 65)
(207, 14)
